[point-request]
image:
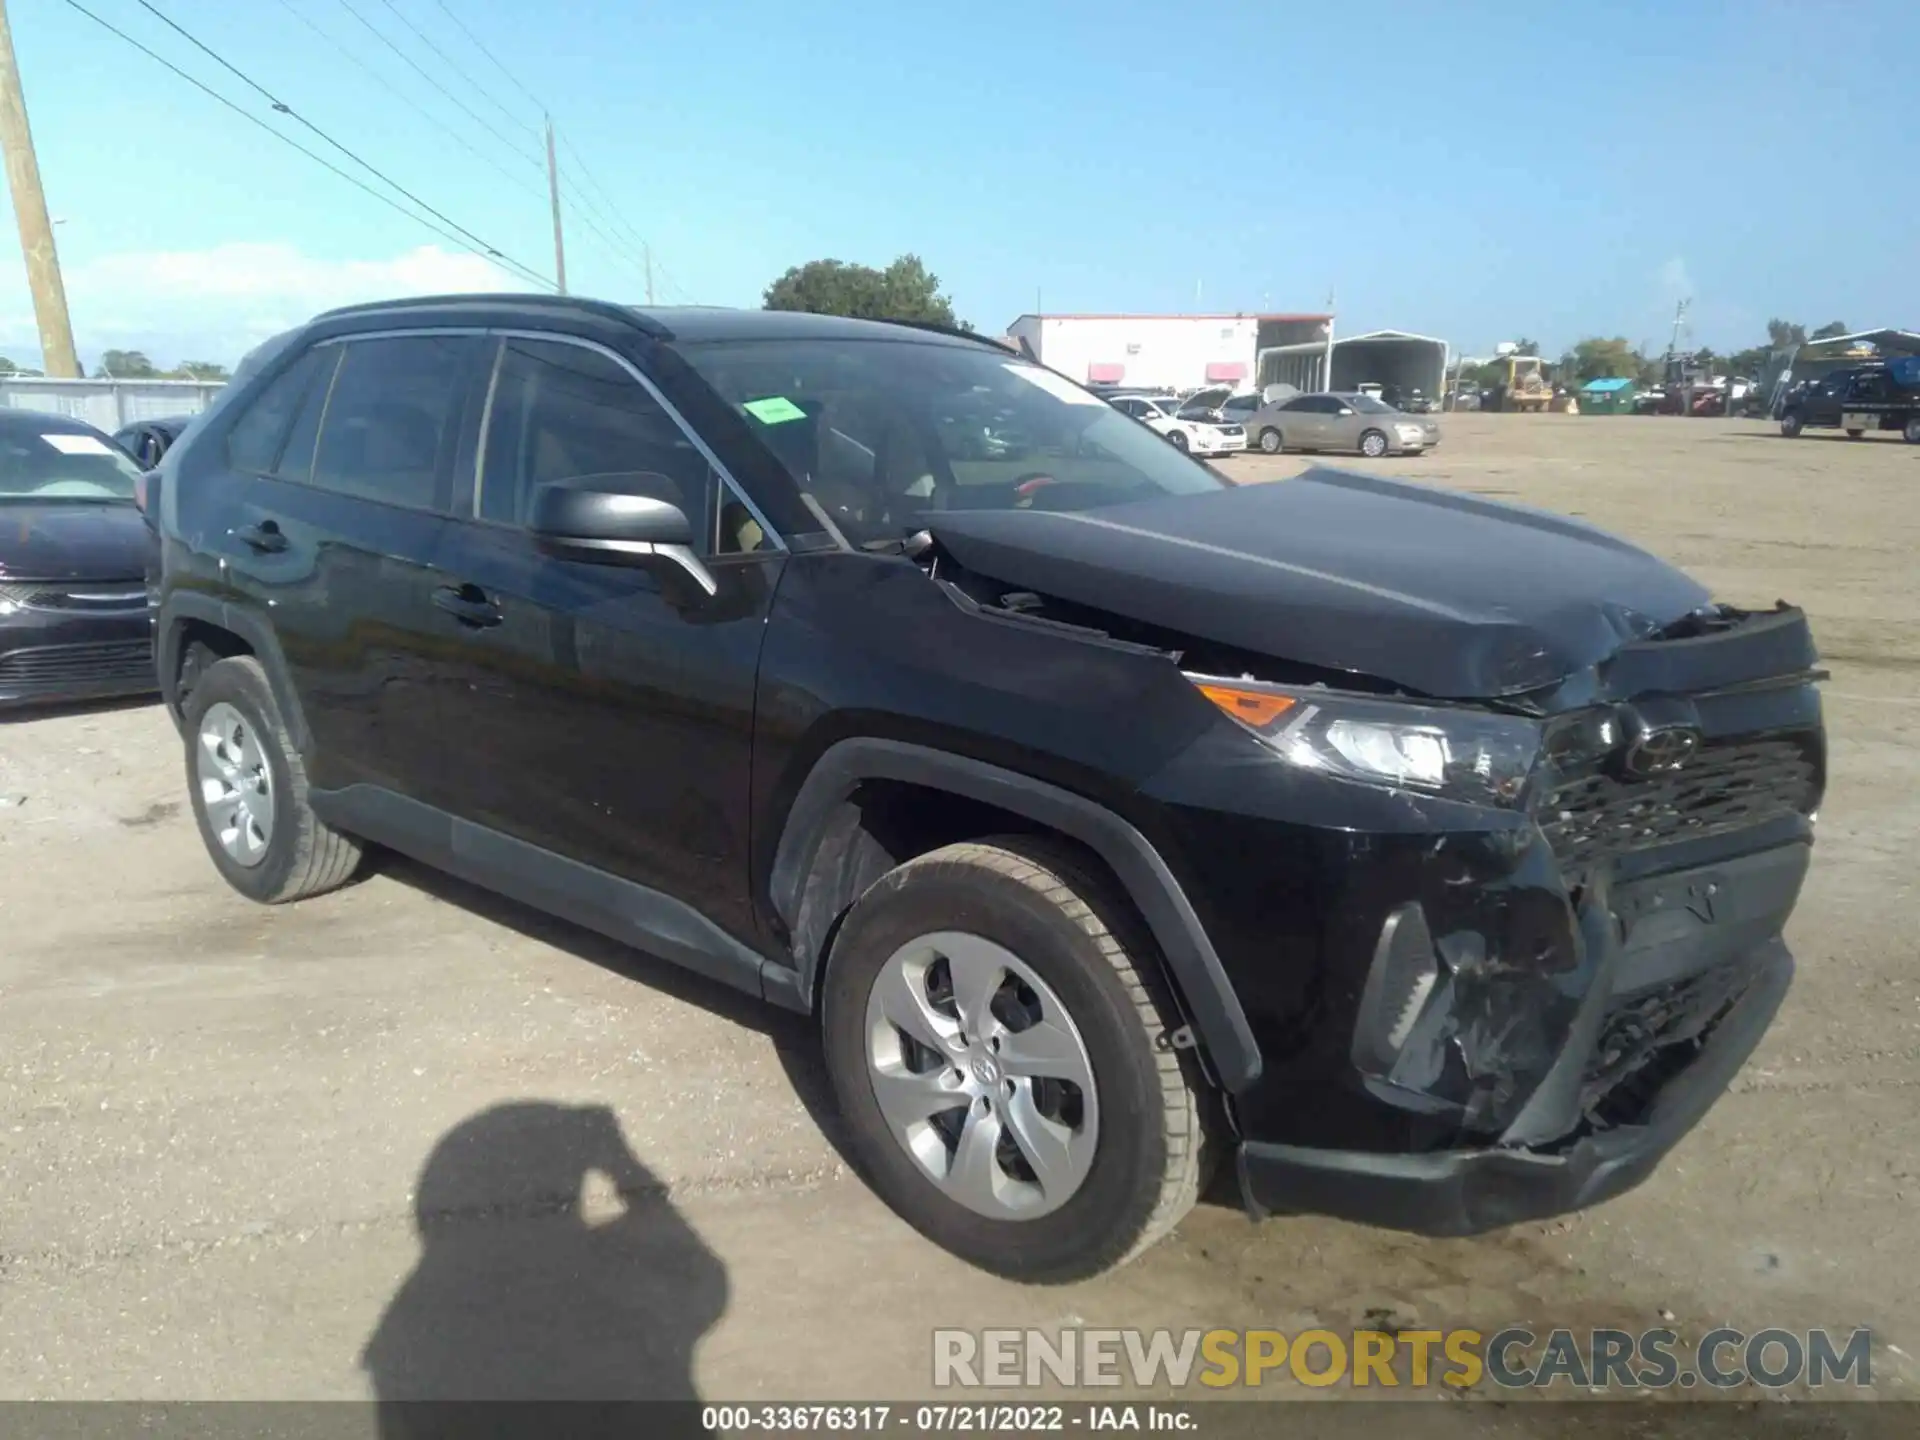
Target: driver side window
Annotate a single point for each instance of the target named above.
(563, 412)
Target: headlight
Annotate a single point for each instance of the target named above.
(1472, 755)
(1410, 432)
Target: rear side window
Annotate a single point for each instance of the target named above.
(296, 456)
(564, 412)
(392, 421)
(254, 442)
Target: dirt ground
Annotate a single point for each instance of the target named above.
(325, 1150)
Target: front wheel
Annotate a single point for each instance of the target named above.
(1791, 424)
(1178, 438)
(1912, 432)
(998, 1037)
(1270, 442)
(1373, 444)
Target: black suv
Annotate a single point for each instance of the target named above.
(1425, 857)
(1856, 399)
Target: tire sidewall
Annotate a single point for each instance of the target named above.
(1099, 1223)
(1374, 435)
(243, 686)
(1271, 435)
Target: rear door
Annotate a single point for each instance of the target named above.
(1304, 425)
(336, 542)
(590, 715)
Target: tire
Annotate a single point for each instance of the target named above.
(1912, 432)
(1141, 1138)
(1270, 441)
(1855, 434)
(1179, 439)
(1792, 424)
(287, 854)
(1373, 444)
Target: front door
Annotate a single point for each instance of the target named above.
(594, 714)
(336, 541)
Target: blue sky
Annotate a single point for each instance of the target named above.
(1471, 170)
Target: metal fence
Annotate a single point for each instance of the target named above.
(108, 404)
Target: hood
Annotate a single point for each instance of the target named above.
(72, 540)
(1432, 590)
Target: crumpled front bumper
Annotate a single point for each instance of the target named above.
(1553, 1158)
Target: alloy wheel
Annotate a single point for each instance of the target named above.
(981, 1075)
(236, 784)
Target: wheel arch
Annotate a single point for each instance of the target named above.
(827, 856)
(228, 631)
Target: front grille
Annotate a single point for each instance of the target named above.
(1726, 786)
(77, 596)
(51, 669)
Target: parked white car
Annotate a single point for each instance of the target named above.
(1196, 437)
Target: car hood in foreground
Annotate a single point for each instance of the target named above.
(1429, 589)
(72, 540)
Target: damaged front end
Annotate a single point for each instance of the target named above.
(1560, 999)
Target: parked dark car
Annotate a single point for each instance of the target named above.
(149, 440)
(73, 547)
(1857, 399)
(1422, 858)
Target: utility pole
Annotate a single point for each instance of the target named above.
(553, 191)
(30, 208)
(646, 252)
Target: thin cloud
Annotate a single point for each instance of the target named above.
(217, 303)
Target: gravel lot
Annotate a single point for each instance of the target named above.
(218, 1122)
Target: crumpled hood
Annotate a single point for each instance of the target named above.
(72, 540)
(1433, 590)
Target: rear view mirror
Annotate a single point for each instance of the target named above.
(619, 520)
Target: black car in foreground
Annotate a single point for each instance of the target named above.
(1422, 857)
(74, 623)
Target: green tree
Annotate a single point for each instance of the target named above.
(1829, 330)
(126, 365)
(199, 370)
(905, 290)
(1596, 358)
(1527, 347)
(1782, 335)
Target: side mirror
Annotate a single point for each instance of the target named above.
(619, 520)
(1346, 410)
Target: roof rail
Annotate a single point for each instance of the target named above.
(936, 328)
(638, 319)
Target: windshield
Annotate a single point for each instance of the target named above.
(882, 433)
(1367, 405)
(51, 464)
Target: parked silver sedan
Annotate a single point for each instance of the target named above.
(1340, 421)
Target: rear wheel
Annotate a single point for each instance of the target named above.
(248, 786)
(997, 1035)
(1855, 434)
(1912, 432)
(1373, 444)
(1270, 441)
(1791, 424)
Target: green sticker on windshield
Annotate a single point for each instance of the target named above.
(774, 410)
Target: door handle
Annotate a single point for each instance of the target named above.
(264, 537)
(468, 604)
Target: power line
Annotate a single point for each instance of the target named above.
(252, 119)
(415, 65)
(407, 100)
(447, 60)
(475, 40)
(283, 108)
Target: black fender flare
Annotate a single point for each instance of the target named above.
(1219, 1023)
(259, 637)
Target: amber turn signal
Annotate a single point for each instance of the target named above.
(1255, 708)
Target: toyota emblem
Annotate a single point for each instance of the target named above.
(1661, 751)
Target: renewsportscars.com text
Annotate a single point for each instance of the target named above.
(1515, 1358)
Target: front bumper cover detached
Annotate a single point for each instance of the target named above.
(1525, 1175)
